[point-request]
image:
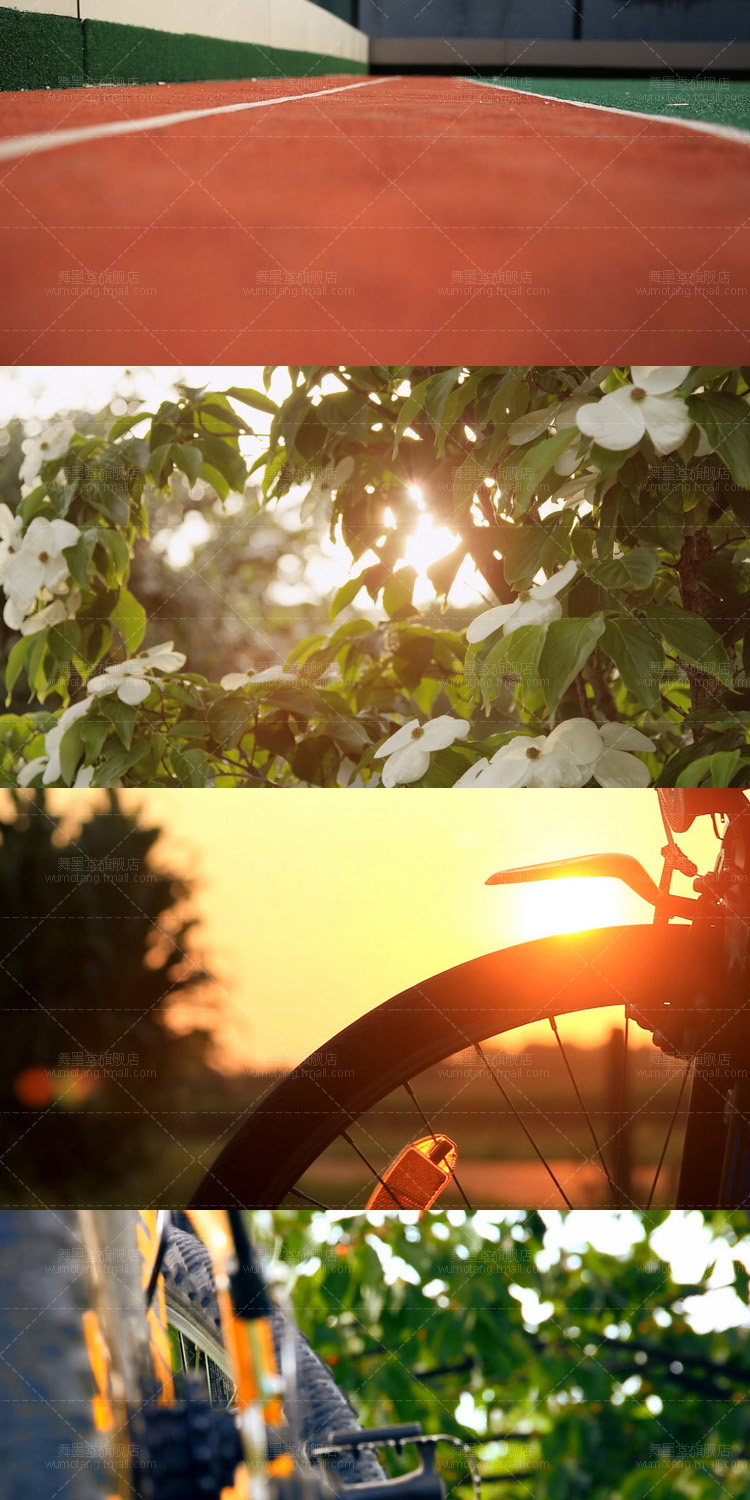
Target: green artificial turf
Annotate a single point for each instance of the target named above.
(135, 54)
(718, 101)
(38, 52)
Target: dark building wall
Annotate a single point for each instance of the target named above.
(603, 20)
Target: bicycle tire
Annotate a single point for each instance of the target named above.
(192, 1306)
(418, 1028)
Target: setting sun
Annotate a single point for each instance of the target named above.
(555, 906)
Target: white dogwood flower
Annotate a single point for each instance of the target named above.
(536, 606)
(570, 756)
(622, 418)
(235, 680)
(11, 531)
(52, 443)
(37, 563)
(131, 680)
(408, 751)
(49, 763)
(65, 608)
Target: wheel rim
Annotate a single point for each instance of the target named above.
(641, 967)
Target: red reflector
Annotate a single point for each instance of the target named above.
(418, 1174)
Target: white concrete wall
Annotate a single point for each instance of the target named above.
(43, 7)
(295, 24)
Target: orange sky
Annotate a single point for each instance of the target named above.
(316, 906)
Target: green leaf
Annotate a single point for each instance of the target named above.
(723, 766)
(522, 548)
(130, 618)
(160, 463)
(638, 656)
(191, 767)
(516, 655)
(117, 761)
(226, 460)
(116, 546)
(121, 716)
(124, 424)
(228, 719)
(79, 556)
(188, 458)
(256, 399)
(16, 661)
(725, 420)
(694, 640)
(635, 569)
(346, 594)
(93, 734)
(411, 408)
(114, 504)
(316, 759)
(567, 648)
(71, 752)
(537, 461)
(397, 593)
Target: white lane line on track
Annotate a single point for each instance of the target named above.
(703, 127)
(52, 140)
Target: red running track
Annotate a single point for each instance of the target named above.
(387, 221)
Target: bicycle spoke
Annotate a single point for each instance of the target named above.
(579, 1097)
(481, 1054)
(345, 1136)
(433, 1133)
(675, 1113)
(620, 1195)
(305, 1198)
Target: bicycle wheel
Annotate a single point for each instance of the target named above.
(193, 1317)
(655, 972)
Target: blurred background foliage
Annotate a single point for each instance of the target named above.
(578, 1355)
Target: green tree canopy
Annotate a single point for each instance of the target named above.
(603, 514)
(571, 1372)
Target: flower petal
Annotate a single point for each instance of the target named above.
(510, 770)
(26, 774)
(398, 741)
(624, 737)
(52, 614)
(406, 765)
(441, 732)
(616, 422)
(133, 690)
(104, 683)
(618, 769)
(668, 421)
(659, 380)
(234, 680)
(558, 581)
(579, 737)
(473, 776)
(24, 575)
(534, 612)
(64, 534)
(490, 621)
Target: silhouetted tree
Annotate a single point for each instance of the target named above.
(93, 959)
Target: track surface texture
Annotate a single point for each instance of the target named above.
(383, 221)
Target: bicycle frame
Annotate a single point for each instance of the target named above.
(136, 1393)
(718, 1122)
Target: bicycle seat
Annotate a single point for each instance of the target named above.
(612, 866)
